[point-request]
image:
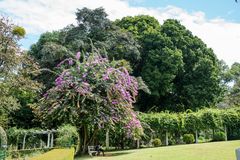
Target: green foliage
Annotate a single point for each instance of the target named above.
(192, 122)
(67, 136)
(56, 154)
(188, 138)
(210, 118)
(181, 72)
(218, 136)
(16, 71)
(156, 142)
(19, 31)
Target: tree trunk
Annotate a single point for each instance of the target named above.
(122, 141)
(85, 131)
(78, 148)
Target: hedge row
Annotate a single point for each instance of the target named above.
(166, 123)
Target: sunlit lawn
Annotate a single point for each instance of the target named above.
(204, 151)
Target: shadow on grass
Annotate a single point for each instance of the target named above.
(113, 154)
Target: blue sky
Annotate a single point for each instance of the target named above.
(227, 9)
(216, 22)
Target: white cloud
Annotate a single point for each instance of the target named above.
(40, 15)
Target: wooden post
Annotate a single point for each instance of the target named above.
(52, 140)
(151, 140)
(41, 144)
(24, 140)
(48, 140)
(196, 136)
(107, 139)
(225, 130)
(166, 138)
(138, 143)
(204, 135)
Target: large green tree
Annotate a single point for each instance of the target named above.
(179, 69)
(231, 78)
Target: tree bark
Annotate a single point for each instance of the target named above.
(85, 131)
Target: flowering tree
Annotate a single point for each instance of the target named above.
(92, 93)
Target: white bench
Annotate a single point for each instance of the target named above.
(91, 150)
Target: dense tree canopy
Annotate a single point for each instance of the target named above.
(179, 69)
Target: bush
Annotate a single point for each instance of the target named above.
(219, 136)
(157, 142)
(188, 138)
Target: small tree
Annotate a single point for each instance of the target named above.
(91, 93)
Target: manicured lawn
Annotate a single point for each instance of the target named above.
(205, 151)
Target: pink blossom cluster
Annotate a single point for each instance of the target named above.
(100, 81)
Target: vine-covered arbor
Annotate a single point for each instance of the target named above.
(44, 137)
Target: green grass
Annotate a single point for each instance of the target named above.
(204, 151)
(56, 154)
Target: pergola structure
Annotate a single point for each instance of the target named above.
(49, 133)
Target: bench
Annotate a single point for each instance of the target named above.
(91, 150)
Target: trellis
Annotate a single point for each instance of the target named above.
(49, 133)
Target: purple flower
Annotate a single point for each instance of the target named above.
(45, 95)
(70, 62)
(114, 102)
(59, 81)
(84, 75)
(78, 55)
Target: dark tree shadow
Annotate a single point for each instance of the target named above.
(109, 154)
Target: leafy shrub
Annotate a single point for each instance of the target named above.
(157, 142)
(171, 141)
(188, 138)
(56, 154)
(19, 31)
(67, 136)
(219, 136)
